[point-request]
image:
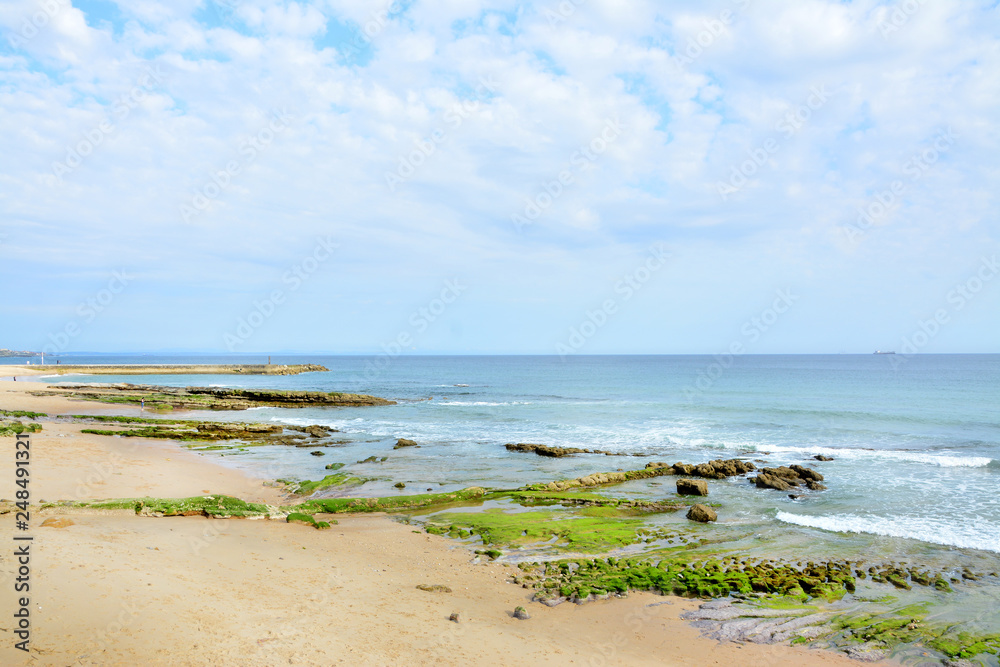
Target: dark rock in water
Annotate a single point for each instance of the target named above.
(796, 496)
(692, 487)
(544, 450)
(403, 442)
(768, 481)
(521, 614)
(702, 514)
(399, 485)
(807, 473)
(820, 457)
(717, 469)
(318, 453)
(785, 478)
(558, 452)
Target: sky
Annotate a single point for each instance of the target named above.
(499, 177)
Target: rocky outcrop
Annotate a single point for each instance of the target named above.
(820, 457)
(403, 442)
(208, 398)
(557, 452)
(692, 487)
(717, 469)
(702, 513)
(786, 478)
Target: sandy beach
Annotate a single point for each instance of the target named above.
(112, 588)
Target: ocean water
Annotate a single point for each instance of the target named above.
(915, 439)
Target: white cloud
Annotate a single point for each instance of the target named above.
(685, 127)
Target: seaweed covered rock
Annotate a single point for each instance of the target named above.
(692, 487)
(544, 450)
(403, 442)
(717, 469)
(702, 514)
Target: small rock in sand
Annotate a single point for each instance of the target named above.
(434, 588)
(521, 614)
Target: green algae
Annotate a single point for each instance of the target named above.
(307, 488)
(389, 504)
(22, 413)
(17, 428)
(579, 533)
(590, 500)
(599, 479)
(214, 506)
(308, 520)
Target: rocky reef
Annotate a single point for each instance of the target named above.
(162, 398)
(557, 452)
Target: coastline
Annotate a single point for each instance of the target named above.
(116, 588)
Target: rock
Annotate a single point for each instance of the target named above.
(796, 496)
(399, 485)
(815, 486)
(557, 452)
(692, 487)
(57, 522)
(766, 481)
(403, 442)
(318, 453)
(717, 469)
(702, 514)
(453, 617)
(521, 614)
(868, 652)
(820, 457)
(434, 588)
(807, 473)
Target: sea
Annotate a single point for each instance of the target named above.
(915, 439)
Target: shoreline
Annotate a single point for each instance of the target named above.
(173, 369)
(113, 588)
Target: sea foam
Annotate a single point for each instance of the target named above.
(924, 529)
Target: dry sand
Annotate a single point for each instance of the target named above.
(126, 590)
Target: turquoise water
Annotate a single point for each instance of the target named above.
(916, 439)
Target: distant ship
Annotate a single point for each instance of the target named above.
(881, 352)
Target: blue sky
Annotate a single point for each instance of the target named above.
(490, 176)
